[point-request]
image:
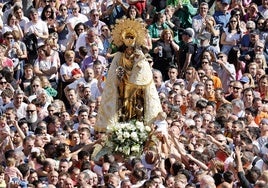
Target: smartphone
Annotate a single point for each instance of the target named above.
(12, 42)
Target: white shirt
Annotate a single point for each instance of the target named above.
(93, 86)
(40, 27)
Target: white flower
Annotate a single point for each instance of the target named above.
(148, 129)
(135, 148)
(134, 136)
(126, 135)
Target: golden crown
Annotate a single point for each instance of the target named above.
(124, 27)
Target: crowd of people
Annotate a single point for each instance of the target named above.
(209, 67)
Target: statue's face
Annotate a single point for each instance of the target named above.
(129, 38)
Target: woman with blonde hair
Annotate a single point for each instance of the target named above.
(164, 52)
(251, 82)
(261, 61)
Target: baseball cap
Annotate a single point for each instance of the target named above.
(204, 36)
(225, 2)
(244, 79)
(189, 32)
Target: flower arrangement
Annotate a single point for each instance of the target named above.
(127, 138)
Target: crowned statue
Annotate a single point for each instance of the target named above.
(129, 91)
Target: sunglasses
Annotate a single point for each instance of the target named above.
(3, 83)
(237, 88)
(30, 111)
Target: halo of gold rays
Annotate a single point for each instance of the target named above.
(135, 27)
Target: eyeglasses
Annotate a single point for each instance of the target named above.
(35, 85)
(237, 14)
(64, 9)
(237, 88)
(3, 83)
(9, 38)
(260, 23)
(30, 111)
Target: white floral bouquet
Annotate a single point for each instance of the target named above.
(127, 138)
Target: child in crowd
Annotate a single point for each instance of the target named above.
(161, 124)
(11, 170)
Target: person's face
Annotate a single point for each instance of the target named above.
(209, 85)
(235, 128)
(63, 167)
(72, 96)
(188, 74)
(86, 93)
(13, 20)
(233, 23)
(54, 178)
(254, 38)
(48, 13)
(265, 4)
(248, 96)
(75, 10)
(224, 6)
(98, 69)
(106, 31)
(83, 116)
(167, 35)
(132, 13)
(95, 16)
(237, 89)
(263, 83)
(260, 24)
(34, 16)
(19, 14)
(89, 74)
(178, 101)
(68, 183)
(94, 51)
(28, 72)
(33, 177)
(200, 90)
(75, 139)
(28, 145)
(258, 49)
(84, 137)
(172, 73)
(203, 10)
(63, 10)
(180, 183)
(223, 57)
(80, 29)
(157, 78)
(91, 36)
(69, 59)
(51, 111)
(36, 86)
(18, 99)
(249, 116)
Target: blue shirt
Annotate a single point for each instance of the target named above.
(222, 18)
